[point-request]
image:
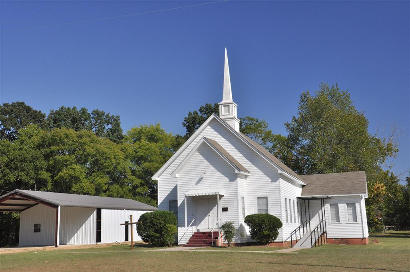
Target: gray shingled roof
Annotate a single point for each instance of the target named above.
(228, 156)
(346, 183)
(74, 200)
(271, 157)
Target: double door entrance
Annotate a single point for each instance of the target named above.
(205, 213)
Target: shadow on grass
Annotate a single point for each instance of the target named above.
(395, 234)
(333, 266)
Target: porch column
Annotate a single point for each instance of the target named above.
(185, 213)
(217, 211)
(57, 228)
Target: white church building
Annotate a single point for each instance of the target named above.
(221, 175)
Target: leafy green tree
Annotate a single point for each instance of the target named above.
(101, 123)
(397, 204)
(330, 135)
(149, 148)
(22, 166)
(15, 116)
(196, 118)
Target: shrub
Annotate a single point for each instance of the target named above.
(158, 228)
(264, 227)
(228, 230)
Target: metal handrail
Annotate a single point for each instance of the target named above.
(304, 227)
(186, 230)
(317, 234)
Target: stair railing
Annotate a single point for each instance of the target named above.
(186, 229)
(301, 230)
(318, 236)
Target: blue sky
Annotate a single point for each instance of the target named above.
(152, 62)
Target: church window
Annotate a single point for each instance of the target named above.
(262, 205)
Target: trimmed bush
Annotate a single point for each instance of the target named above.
(228, 230)
(264, 227)
(158, 228)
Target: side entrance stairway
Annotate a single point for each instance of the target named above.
(304, 237)
(202, 239)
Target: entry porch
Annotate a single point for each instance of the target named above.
(202, 213)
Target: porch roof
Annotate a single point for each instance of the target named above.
(346, 183)
(204, 193)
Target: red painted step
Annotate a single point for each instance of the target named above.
(202, 239)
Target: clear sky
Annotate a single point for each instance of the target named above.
(152, 62)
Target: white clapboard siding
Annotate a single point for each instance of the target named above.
(111, 229)
(262, 181)
(77, 226)
(39, 214)
(288, 191)
(346, 229)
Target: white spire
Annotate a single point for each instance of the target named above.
(227, 91)
(227, 108)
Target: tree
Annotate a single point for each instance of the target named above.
(101, 123)
(330, 135)
(15, 116)
(149, 148)
(22, 165)
(398, 204)
(196, 118)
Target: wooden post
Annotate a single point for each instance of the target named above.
(132, 233)
(131, 224)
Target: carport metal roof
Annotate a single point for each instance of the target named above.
(20, 200)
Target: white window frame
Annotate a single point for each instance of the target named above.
(286, 210)
(267, 205)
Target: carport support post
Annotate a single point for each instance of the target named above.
(57, 228)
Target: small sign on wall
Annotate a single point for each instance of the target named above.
(224, 209)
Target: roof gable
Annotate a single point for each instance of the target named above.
(220, 151)
(261, 151)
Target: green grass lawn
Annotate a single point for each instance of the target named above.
(389, 252)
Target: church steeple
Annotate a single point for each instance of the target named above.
(228, 108)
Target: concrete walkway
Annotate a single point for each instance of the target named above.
(168, 249)
(202, 249)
